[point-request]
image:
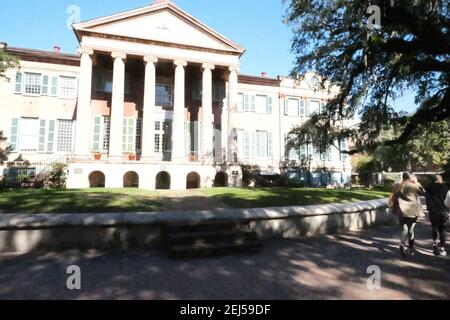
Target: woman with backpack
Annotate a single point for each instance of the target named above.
(438, 214)
(406, 205)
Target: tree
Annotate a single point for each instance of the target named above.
(372, 65)
(4, 150)
(7, 61)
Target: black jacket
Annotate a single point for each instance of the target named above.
(435, 198)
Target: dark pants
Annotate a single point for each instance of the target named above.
(438, 227)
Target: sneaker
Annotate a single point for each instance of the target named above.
(435, 250)
(443, 253)
(403, 251)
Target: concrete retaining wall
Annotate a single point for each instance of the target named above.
(25, 233)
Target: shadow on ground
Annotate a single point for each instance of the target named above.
(331, 267)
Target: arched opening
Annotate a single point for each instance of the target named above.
(163, 181)
(221, 180)
(131, 180)
(97, 179)
(193, 181)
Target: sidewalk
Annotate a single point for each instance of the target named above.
(331, 267)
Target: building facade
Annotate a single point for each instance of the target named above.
(155, 99)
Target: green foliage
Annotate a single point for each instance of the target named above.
(58, 177)
(7, 61)
(410, 51)
(4, 149)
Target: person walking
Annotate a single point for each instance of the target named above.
(409, 209)
(438, 214)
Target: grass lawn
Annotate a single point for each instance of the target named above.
(279, 197)
(135, 200)
(78, 201)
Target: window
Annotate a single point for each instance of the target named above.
(313, 107)
(101, 133)
(105, 132)
(32, 83)
(261, 144)
(138, 135)
(29, 134)
(343, 147)
(67, 86)
(326, 156)
(64, 140)
(164, 95)
(261, 104)
(292, 107)
(162, 136)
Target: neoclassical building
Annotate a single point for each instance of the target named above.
(155, 99)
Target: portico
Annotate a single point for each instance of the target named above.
(157, 98)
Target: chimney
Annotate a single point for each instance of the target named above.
(264, 74)
(57, 49)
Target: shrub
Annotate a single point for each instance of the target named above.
(57, 178)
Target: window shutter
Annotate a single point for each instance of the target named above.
(196, 134)
(286, 106)
(51, 136)
(129, 137)
(253, 104)
(45, 85)
(42, 135)
(269, 104)
(270, 145)
(18, 82)
(240, 103)
(253, 144)
(246, 103)
(97, 133)
(54, 86)
(14, 134)
(302, 112)
(308, 111)
(246, 144)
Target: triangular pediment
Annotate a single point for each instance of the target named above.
(162, 22)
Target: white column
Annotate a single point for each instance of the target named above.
(117, 107)
(207, 115)
(83, 124)
(148, 123)
(227, 140)
(178, 143)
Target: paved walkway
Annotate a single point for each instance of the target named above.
(331, 267)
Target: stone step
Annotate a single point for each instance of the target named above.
(205, 227)
(214, 249)
(219, 238)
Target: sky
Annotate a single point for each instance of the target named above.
(254, 24)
